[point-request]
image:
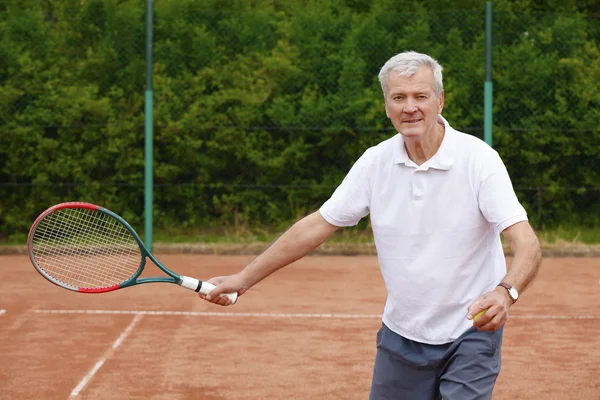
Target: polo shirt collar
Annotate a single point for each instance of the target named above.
(443, 159)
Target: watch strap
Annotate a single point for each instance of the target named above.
(509, 288)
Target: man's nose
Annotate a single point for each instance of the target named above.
(410, 106)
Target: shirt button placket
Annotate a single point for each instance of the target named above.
(418, 186)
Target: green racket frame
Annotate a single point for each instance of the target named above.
(172, 277)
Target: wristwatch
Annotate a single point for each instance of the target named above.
(512, 292)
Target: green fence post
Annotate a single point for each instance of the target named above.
(149, 131)
(488, 89)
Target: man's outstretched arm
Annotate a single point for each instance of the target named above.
(302, 238)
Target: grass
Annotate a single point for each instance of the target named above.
(571, 235)
(247, 236)
(354, 235)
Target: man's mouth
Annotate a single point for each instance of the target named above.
(411, 121)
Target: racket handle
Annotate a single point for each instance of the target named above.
(203, 287)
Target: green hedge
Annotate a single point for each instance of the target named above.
(262, 107)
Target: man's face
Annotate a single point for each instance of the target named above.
(411, 103)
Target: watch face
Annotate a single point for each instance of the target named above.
(513, 293)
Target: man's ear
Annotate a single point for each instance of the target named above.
(441, 105)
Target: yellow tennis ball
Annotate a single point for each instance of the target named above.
(478, 315)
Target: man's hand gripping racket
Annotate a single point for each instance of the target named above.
(225, 284)
(89, 249)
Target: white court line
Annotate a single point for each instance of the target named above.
(282, 315)
(210, 314)
(105, 356)
(2, 312)
(565, 317)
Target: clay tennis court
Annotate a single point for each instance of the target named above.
(307, 332)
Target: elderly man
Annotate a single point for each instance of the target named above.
(438, 200)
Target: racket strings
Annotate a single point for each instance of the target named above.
(85, 248)
(90, 248)
(82, 243)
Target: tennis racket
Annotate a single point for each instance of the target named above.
(89, 249)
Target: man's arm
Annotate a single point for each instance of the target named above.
(527, 257)
(302, 238)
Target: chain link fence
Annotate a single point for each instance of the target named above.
(261, 108)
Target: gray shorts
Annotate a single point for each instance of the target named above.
(465, 369)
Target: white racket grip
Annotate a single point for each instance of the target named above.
(203, 287)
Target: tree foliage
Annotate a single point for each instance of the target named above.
(261, 107)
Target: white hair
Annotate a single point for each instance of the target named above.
(407, 63)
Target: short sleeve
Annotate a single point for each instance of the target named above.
(497, 199)
(350, 202)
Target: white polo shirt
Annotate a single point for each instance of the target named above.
(436, 228)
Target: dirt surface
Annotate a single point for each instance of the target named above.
(307, 332)
(563, 249)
